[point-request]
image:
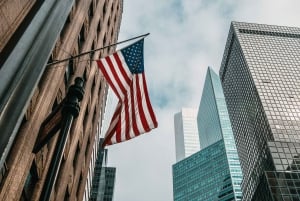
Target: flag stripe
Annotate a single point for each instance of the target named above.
(113, 124)
(136, 107)
(149, 106)
(128, 121)
(139, 104)
(113, 80)
(107, 77)
(148, 119)
(124, 70)
(118, 84)
(133, 117)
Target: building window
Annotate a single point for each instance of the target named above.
(64, 29)
(92, 53)
(104, 8)
(86, 116)
(30, 183)
(104, 40)
(76, 156)
(81, 38)
(3, 172)
(91, 9)
(79, 184)
(108, 22)
(85, 76)
(93, 86)
(99, 27)
(87, 148)
(69, 72)
(67, 195)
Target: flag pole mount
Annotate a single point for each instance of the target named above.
(70, 111)
(95, 50)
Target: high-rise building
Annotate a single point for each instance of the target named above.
(214, 173)
(186, 133)
(103, 179)
(34, 33)
(110, 177)
(96, 191)
(260, 78)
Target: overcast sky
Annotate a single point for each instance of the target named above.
(185, 38)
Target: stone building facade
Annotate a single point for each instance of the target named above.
(90, 24)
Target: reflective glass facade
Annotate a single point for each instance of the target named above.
(103, 178)
(110, 175)
(260, 77)
(98, 180)
(208, 117)
(186, 133)
(214, 173)
(201, 176)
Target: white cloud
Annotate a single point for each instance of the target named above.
(186, 37)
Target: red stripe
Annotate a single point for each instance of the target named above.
(127, 120)
(121, 67)
(104, 72)
(112, 128)
(116, 76)
(140, 106)
(150, 109)
(134, 124)
(118, 130)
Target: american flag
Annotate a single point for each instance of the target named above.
(124, 72)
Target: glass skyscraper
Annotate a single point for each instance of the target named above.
(214, 173)
(186, 133)
(103, 178)
(260, 74)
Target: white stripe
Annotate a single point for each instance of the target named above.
(125, 67)
(123, 123)
(144, 103)
(112, 77)
(136, 108)
(119, 73)
(131, 133)
(113, 139)
(113, 122)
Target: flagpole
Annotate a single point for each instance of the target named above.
(91, 51)
(70, 111)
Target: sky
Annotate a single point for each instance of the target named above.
(186, 36)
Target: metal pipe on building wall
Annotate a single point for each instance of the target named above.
(24, 67)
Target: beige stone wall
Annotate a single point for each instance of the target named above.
(51, 90)
(12, 12)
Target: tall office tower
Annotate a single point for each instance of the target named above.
(260, 77)
(96, 191)
(103, 179)
(186, 133)
(110, 177)
(214, 173)
(34, 33)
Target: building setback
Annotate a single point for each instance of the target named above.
(186, 133)
(260, 78)
(214, 173)
(42, 32)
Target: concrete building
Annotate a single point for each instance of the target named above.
(214, 173)
(186, 133)
(260, 78)
(32, 34)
